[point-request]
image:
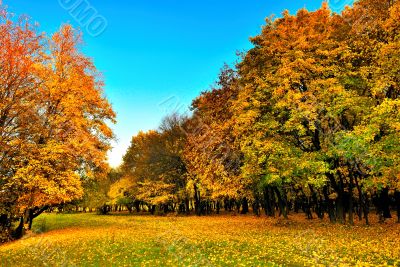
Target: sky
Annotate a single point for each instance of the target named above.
(157, 55)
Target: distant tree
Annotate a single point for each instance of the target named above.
(155, 165)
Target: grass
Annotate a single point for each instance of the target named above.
(94, 240)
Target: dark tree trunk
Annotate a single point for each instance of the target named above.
(238, 204)
(318, 208)
(245, 206)
(384, 204)
(196, 200)
(340, 202)
(281, 203)
(397, 200)
(351, 185)
(187, 208)
(366, 210)
(129, 207)
(269, 205)
(137, 206)
(19, 231)
(363, 202)
(166, 208)
(30, 219)
(330, 205)
(307, 207)
(272, 200)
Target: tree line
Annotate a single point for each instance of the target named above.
(308, 120)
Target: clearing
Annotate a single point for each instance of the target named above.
(141, 240)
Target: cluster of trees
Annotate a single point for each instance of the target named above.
(309, 119)
(53, 122)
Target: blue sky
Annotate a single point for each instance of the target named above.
(157, 55)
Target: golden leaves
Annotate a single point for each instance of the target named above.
(53, 116)
(87, 239)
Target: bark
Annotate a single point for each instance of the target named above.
(272, 200)
(267, 202)
(351, 219)
(245, 206)
(397, 200)
(30, 220)
(187, 207)
(19, 231)
(383, 205)
(318, 209)
(340, 201)
(137, 206)
(281, 203)
(363, 201)
(196, 200)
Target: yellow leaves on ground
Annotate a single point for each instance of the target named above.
(92, 240)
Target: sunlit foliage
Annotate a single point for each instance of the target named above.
(307, 119)
(53, 119)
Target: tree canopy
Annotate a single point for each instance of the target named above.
(308, 118)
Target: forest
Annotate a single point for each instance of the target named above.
(306, 123)
(307, 120)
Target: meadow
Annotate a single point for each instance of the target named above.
(141, 240)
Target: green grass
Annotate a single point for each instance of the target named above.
(94, 240)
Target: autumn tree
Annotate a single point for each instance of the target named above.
(20, 52)
(155, 165)
(211, 153)
(53, 119)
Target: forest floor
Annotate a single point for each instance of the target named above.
(226, 240)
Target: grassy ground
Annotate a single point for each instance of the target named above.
(94, 240)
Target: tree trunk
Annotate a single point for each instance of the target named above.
(30, 219)
(19, 231)
(245, 206)
(384, 203)
(330, 206)
(340, 201)
(137, 206)
(318, 209)
(281, 203)
(267, 204)
(187, 206)
(351, 219)
(196, 200)
(397, 199)
(363, 202)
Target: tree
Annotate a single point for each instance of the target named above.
(53, 119)
(155, 165)
(211, 153)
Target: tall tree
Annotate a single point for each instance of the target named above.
(53, 119)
